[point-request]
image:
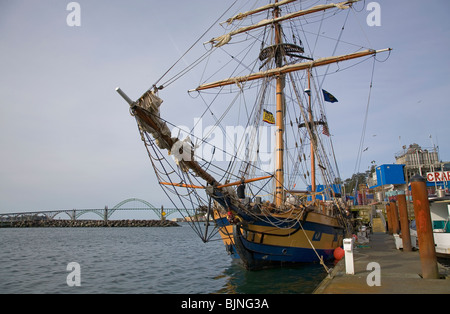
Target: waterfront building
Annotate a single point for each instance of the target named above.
(387, 179)
(425, 162)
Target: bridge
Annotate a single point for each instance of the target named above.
(104, 213)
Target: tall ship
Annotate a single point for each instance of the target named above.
(262, 175)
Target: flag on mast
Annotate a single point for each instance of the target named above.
(325, 130)
(268, 117)
(328, 97)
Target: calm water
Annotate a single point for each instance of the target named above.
(135, 260)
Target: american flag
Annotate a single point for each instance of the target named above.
(325, 130)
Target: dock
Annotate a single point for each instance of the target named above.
(399, 272)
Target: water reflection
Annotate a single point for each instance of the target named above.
(284, 280)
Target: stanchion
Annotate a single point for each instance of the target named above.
(349, 264)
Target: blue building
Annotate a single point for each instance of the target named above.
(387, 174)
(325, 191)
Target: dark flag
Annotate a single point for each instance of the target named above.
(328, 97)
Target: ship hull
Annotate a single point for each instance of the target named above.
(259, 244)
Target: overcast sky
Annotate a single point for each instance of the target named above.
(67, 139)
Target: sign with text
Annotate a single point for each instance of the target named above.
(438, 176)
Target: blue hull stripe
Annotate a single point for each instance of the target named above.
(263, 253)
(272, 253)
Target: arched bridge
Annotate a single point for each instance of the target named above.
(104, 213)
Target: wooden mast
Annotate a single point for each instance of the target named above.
(289, 68)
(313, 155)
(279, 153)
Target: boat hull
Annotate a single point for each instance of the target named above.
(440, 215)
(259, 244)
(442, 242)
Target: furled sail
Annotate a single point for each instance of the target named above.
(224, 39)
(157, 128)
(146, 112)
(241, 16)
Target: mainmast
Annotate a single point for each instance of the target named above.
(312, 144)
(279, 153)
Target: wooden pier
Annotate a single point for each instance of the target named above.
(399, 272)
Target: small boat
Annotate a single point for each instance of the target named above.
(440, 217)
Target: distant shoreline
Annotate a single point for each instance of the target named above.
(87, 223)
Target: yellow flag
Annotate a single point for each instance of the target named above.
(268, 117)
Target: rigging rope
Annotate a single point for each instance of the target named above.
(314, 249)
(193, 45)
(363, 133)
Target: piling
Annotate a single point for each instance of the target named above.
(389, 218)
(404, 222)
(424, 228)
(395, 221)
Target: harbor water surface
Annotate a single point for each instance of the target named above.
(136, 261)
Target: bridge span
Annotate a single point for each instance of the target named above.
(104, 213)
